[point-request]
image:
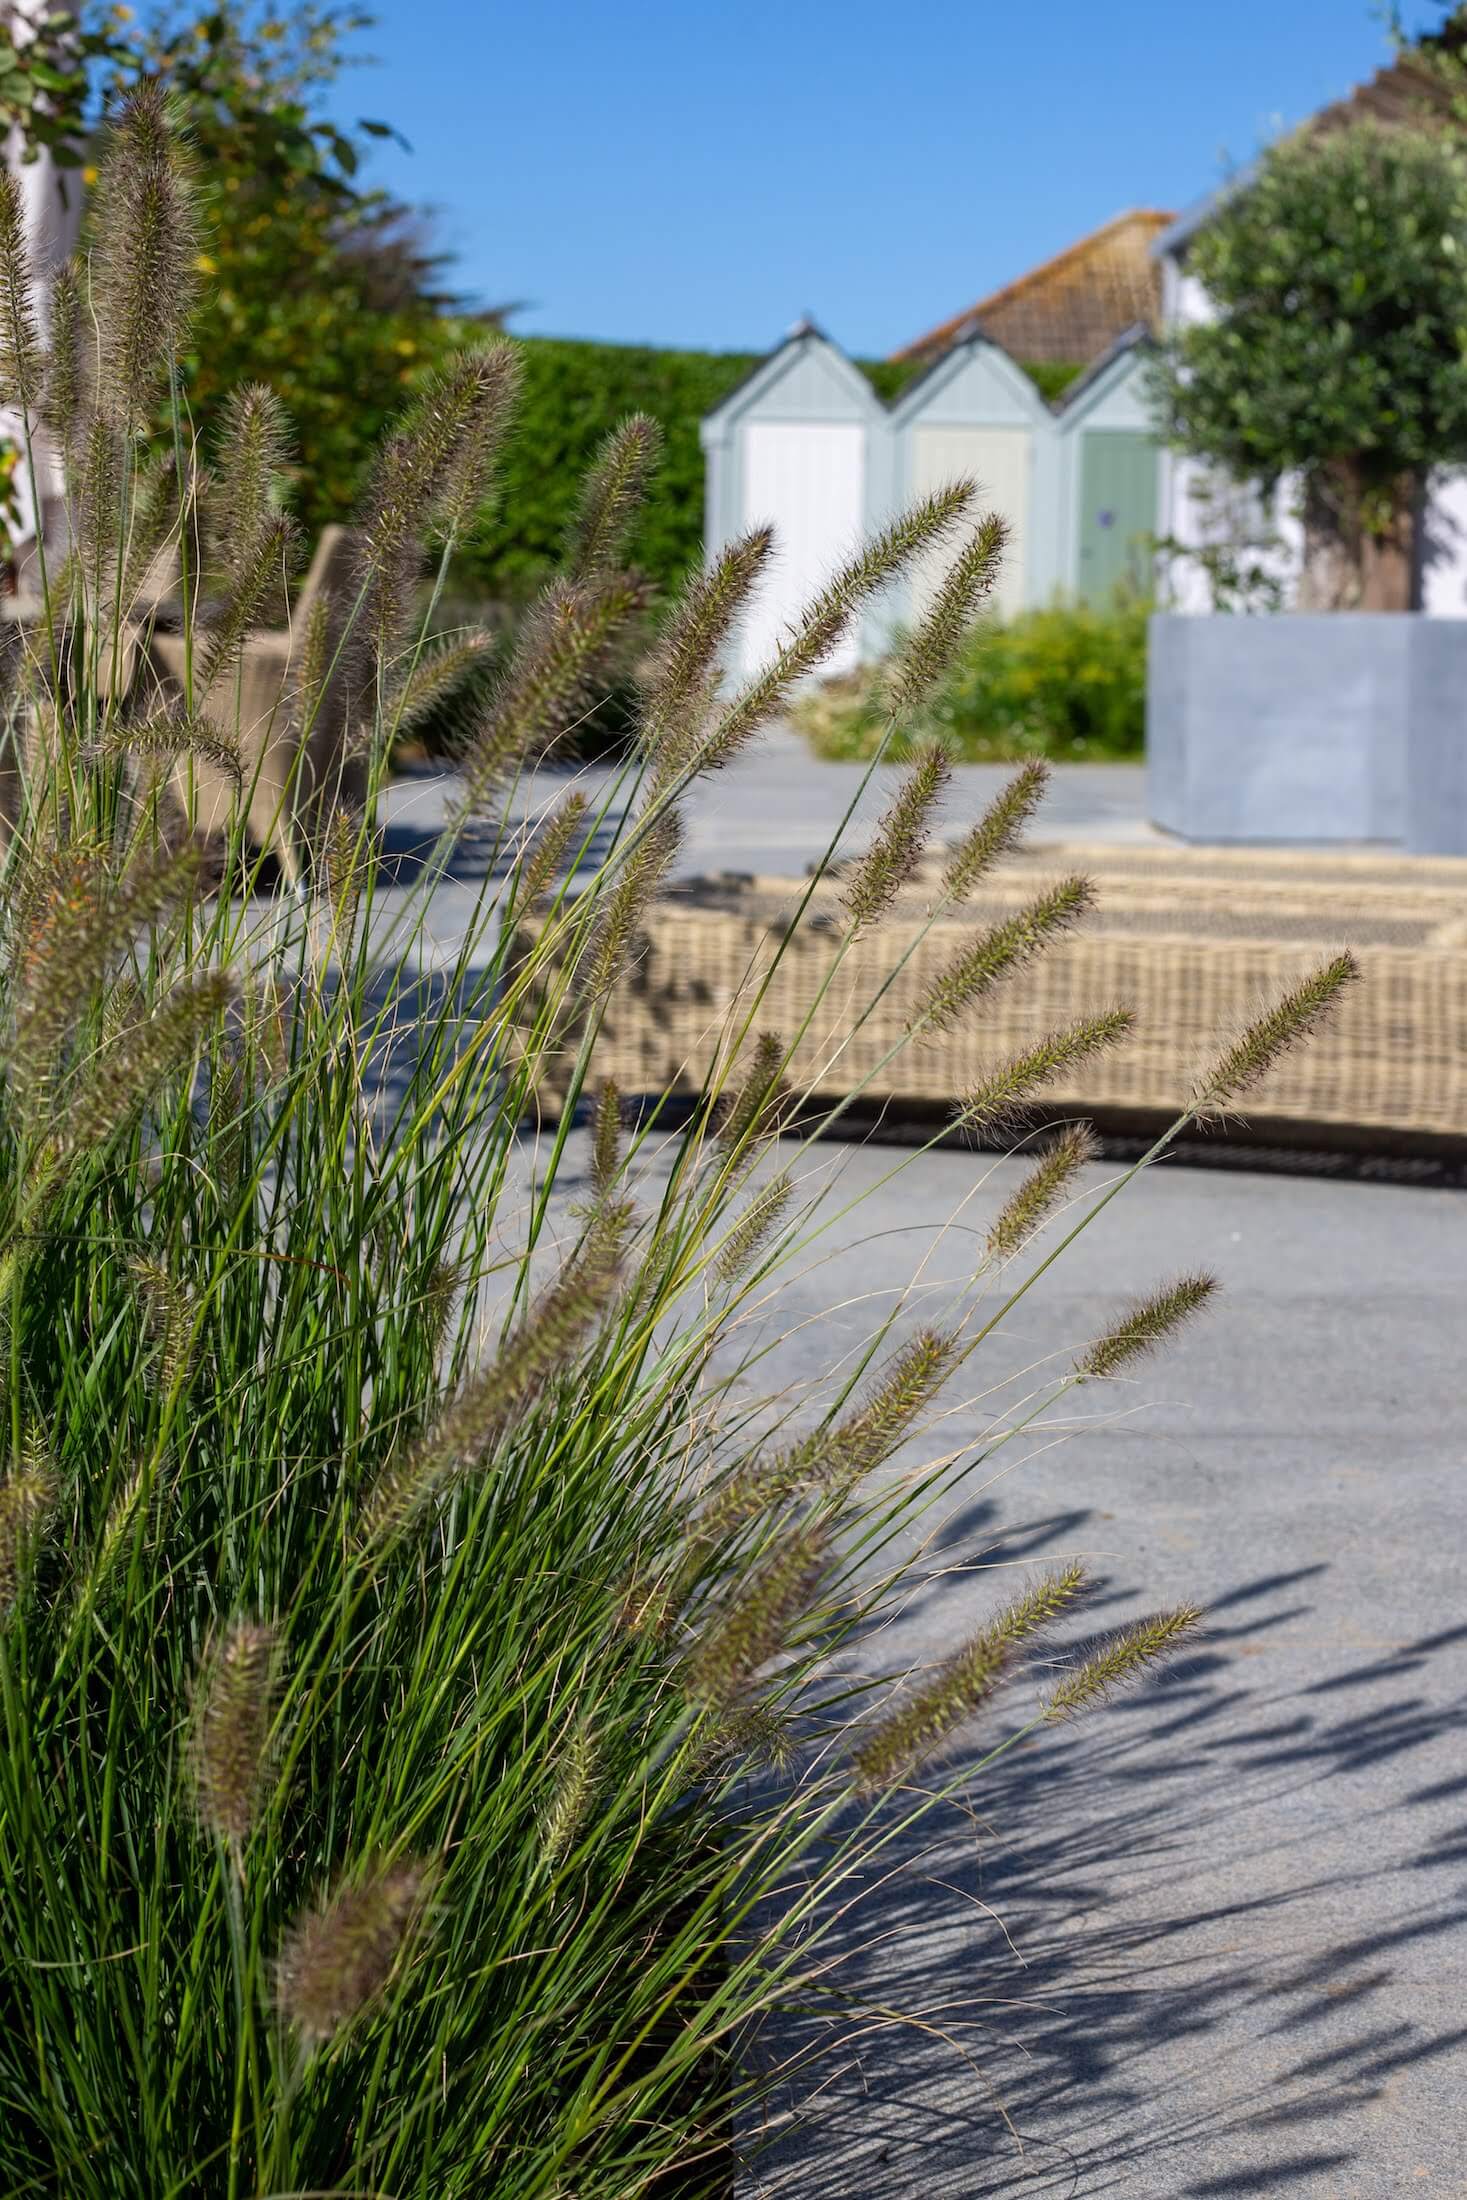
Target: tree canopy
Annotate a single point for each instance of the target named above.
(1338, 354)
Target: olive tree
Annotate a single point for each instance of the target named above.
(1337, 357)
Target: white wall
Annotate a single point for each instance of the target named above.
(1444, 547)
(808, 479)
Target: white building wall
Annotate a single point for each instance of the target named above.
(1444, 547)
(807, 479)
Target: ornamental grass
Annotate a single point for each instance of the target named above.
(426, 1748)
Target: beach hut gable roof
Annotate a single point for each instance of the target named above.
(976, 378)
(806, 378)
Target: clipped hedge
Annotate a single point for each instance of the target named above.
(575, 392)
(1067, 682)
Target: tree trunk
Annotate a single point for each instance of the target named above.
(1349, 566)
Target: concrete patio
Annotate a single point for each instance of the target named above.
(1214, 1940)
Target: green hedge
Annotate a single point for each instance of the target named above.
(1067, 682)
(574, 393)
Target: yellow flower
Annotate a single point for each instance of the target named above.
(406, 346)
(122, 14)
(89, 176)
(206, 264)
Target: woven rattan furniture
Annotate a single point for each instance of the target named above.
(1193, 940)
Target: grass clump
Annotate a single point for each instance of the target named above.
(399, 1578)
(1066, 683)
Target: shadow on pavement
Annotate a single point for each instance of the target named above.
(1132, 1961)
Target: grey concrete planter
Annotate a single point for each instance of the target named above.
(1310, 727)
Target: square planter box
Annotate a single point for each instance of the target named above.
(1309, 727)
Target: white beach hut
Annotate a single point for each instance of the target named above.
(804, 444)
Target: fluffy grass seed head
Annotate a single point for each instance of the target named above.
(1291, 1019)
(146, 253)
(343, 861)
(442, 676)
(617, 940)
(125, 1516)
(169, 734)
(751, 1113)
(169, 1315)
(997, 1105)
(904, 1389)
(997, 832)
(474, 399)
(21, 368)
(688, 659)
(879, 876)
(606, 1140)
(898, 1744)
(573, 1794)
(125, 1076)
(28, 1500)
(754, 1623)
(834, 1458)
(544, 858)
(1124, 1659)
(236, 1692)
(752, 1230)
(929, 650)
(461, 1437)
(442, 1289)
(259, 575)
(432, 476)
(254, 451)
(562, 653)
(338, 1961)
(1146, 1324)
(1005, 947)
(1042, 1189)
(612, 496)
(826, 619)
(64, 393)
(69, 917)
(96, 501)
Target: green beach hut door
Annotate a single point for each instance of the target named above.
(1117, 512)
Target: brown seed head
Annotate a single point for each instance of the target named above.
(1042, 1189)
(235, 1695)
(930, 649)
(339, 1961)
(1125, 1658)
(884, 870)
(1292, 1019)
(1147, 1324)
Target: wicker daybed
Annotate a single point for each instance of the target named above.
(1193, 940)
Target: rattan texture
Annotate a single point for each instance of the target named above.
(1194, 942)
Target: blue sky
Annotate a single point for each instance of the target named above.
(694, 172)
